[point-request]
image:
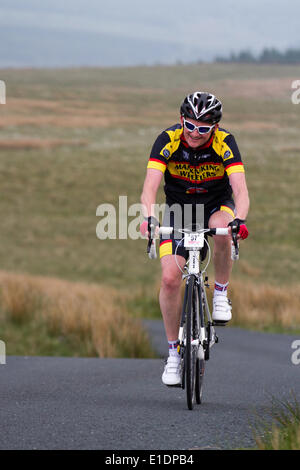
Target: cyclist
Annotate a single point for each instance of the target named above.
(201, 164)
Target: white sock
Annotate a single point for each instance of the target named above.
(220, 289)
(173, 348)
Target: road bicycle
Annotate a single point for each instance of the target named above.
(197, 330)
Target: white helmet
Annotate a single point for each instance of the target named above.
(202, 106)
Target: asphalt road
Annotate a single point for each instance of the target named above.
(118, 404)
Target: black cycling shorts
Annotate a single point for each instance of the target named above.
(168, 244)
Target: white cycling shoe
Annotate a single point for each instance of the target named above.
(172, 372)
(221, 310)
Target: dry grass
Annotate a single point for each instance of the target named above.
(28, 144)
(264, 305)
(254, 305)
(94, 313)
(273, 87)
(78, 119)
(77, 113)
(257, 126)
(287, 438)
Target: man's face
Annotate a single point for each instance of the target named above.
(194, 139)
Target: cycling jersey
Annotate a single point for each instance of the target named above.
(197, 176)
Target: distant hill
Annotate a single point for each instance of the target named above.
(21, 47)
(267, 56)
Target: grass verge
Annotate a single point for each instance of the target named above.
(263, 307)
(48, 316)
(284, 431)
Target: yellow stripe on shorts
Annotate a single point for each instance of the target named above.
(227, 209)
(165, 248)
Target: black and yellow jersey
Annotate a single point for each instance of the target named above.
(196, 175)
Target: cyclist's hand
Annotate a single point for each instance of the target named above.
(240, 228)
(144, 228)
(149, 227)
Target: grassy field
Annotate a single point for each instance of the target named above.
(71, 140)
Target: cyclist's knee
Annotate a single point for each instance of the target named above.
(170, 281)
(220, 219)
(171, 275)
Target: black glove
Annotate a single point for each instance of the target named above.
(238, 227)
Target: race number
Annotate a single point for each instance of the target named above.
(193, 240)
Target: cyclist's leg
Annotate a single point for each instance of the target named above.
(170, 305)
(222, 265)
(222, 245)
(170, 297)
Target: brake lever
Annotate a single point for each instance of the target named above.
(234, 234)
(150, 240)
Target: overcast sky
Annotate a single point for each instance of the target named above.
(153, 31)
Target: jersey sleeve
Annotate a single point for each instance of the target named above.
(160, 153)
(231, 156)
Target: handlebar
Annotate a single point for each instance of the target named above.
(210, 231)
(225, 231)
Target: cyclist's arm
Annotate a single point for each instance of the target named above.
(150, 188)
(240, 194)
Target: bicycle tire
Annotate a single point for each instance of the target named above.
(200, 362)
(200, 368)
(183, 341)
(190, 350)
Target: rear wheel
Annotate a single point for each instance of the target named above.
(200, 366)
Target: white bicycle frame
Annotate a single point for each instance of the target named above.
(194, 242)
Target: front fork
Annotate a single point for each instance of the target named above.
(207, 334)
(181, 339)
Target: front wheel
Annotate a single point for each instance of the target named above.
(201, 354)
(190, 350)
